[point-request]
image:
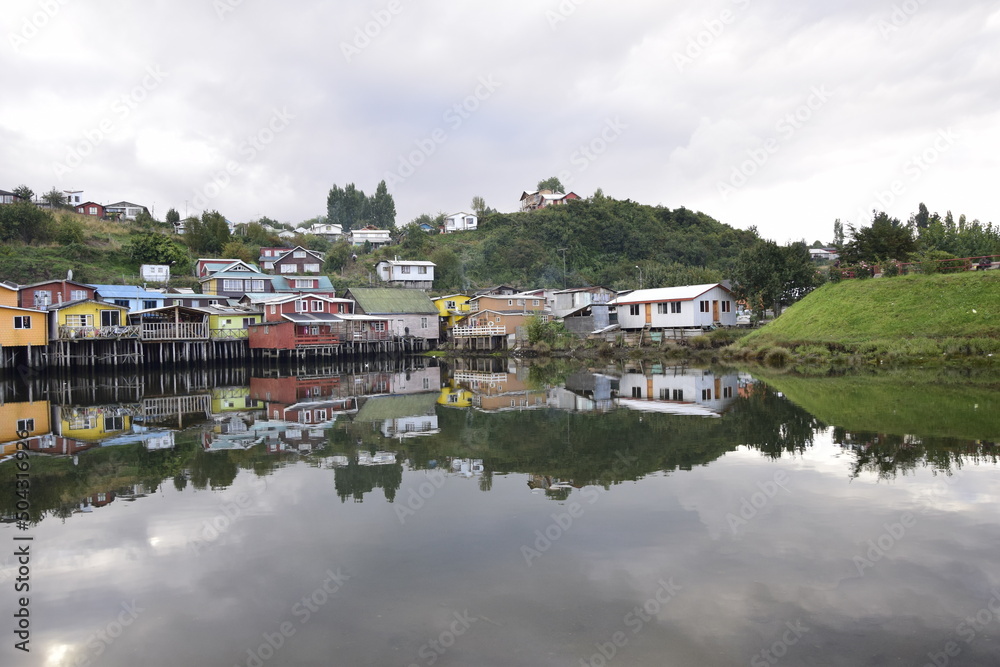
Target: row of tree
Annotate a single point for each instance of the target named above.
(350, 208)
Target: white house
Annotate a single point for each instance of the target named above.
(406, 273)
(126, 210)
(376, 237)
(821, 254)
(677, 307)
(155, 273)
(329, 232)
(458, 222)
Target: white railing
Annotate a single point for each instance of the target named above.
(480, 378)
(74, 332)
(470, 332)
(174, 330)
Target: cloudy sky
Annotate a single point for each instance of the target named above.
(780, 114)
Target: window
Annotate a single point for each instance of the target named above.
(664, 394)
(636, 392)
(78, 320)
(110, 318)
(510, 302)
(267, 253)
(121, 302)
(404, 269)
(317, 306)
(727, 392)
(299, 254)
(304, 284)
(247, 321)
(114, 424)
(427, 383)
(257, 285)
(534, 302)
(706, 394)
(288, 268)
(149, 304)
(77, 294)
(42, 298)
(703, 306)
(678, 394)
(311, 268)
(423, 322)
(661, 309)
(520, 302)
(22, 322)
(232, 285)
(379, 326)
(213, 302)
(675, 307)
(274, 309)
(27, 425)
(321, 415)
(306, 416)
(176, 302)
(92, 210)
(422, 269)
(450, 305)
(633, 309)
(301, 306)
(498, 319)
(727, 306)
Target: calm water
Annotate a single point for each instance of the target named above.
(486, 514)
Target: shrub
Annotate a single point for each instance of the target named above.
(777, 357)
(701, 342)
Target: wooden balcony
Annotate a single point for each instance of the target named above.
(84, 333)
(230, 334)
(479, 332)
(170, 331)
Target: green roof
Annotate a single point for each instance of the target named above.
(386, 300)
(380, 408)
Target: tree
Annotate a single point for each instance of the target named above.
(173, 216)
(479, 206)
(338, 256)
(208, 234)
(239, 250)
(838, 233)
(381, 209)
(25, 222)
(155, 248)
(25, 193)
(768, 276)
(553, 183)
(886, 238)
(348, 206)
(54, 198)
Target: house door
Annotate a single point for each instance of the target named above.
(715, 311)
(649, 313)
(718, 388)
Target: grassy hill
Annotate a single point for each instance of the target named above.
(914, 316)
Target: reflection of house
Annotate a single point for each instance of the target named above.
(585, 392)
(455, 395)
(233, 399)
(401, 416)
(92, 423)
(30, 418)
(493, 392)
(678, 391)
(467, 467)
(677, 307)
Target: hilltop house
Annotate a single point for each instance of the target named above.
(461, 221)
(297, 260)
(125, 210)
(91, 208)
(677, 307)
(536, 199)
(406, 273)
(376, 237)
(9, 197)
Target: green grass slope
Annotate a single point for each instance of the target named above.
(911, 314)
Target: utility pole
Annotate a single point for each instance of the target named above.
(640, 276)
(563, 251)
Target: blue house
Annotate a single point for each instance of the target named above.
(130, 296)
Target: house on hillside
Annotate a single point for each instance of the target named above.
(9, 197)
(409, 312)
(536, 199)
(297, 260)
(125, 210)
(459, 222)
(91, 208)
(206, 267)
(154, 273)
(412, 274)
(824, 254)
(376, 237)
(687, 306)
(330, 232)
(130, 296)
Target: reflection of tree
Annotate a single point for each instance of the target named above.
(887, 456)
(215, 469)
(355, 480)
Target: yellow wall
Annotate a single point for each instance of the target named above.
(461, 305)
(11, 412)
(38, 334)
(8, 296)
(93, 310)
(236, 320)
(88, 424)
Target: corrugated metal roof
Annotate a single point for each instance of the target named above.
(126, 292)
(384, 300)
(681, 293)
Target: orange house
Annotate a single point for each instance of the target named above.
(8, 295)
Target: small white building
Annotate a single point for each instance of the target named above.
(330, 232)
(155, 273)
(406, 273)
(677, 307)
(376, 237)
(460, 222)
